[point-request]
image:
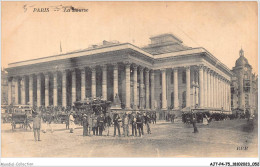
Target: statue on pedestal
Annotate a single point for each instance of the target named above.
(116, 103)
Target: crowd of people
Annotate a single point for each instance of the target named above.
(113, 123)
(202, 116)
(132, 124)
(129, 122)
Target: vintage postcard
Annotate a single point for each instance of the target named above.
(129, 79)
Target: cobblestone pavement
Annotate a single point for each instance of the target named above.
(219, 139)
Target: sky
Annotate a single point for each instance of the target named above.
(222, 28)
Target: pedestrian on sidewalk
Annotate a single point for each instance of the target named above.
(140, 122)
(116, 120)
(90, 123)
(194, 120)
(133, 123)
(85, 125)
(71, 122)
(36, 126)
(126, 124)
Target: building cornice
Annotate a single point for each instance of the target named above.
(129, 48)
(81, 53)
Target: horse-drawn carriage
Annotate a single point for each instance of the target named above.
(21, 115)
(94, 106)
(200, 114)
(6, 114)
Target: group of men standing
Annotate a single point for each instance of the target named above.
(98, 123)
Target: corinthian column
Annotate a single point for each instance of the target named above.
(55, 88)
(229, 96)
(176, 98)
(9, 91)
(216, 88)
(147, 103)
(201, 86)
(135, 86)
(93, 82)
(23, 88)
(211, 90)
(188, 86)
(222, 93)
(141, 88)
(47, 79)
(39, 90)
(115, 80)
(164, 99)
(31, 90)
(127, 86)
(152, 89)
(83, 83)
(16, 90)
(73, 89)
(205, 76)
(104, 82)
(208, 89)
(64, 88)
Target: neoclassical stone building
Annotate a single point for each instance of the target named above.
(4, 87)
(244, 86)
(165, 74)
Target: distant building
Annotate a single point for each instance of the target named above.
(4, 87)
(244, 89)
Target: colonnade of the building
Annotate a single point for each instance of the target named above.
(19, 83)
(213, 90)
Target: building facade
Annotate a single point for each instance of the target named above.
(165, 74)
(244, 87)
(4, 87)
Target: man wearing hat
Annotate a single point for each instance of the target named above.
(133, 123)
(116, 120)
(125, 124)
(140, 122)
(36, 126)
(100, 123)
(194, 120)
(71, 122)
(85, 125)
(90, 122)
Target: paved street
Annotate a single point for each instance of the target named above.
(219, 139)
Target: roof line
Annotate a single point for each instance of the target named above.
(67, 53)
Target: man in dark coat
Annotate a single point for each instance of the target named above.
(94, 126)
(100, 121)
(36, 126)
(140, 122)
(147, 122)
(133, 123)
(107, 123)
(85, 125)
(126, 124)
(194, 120)
(116, 120)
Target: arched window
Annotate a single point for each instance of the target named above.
(184, 99)
(184, 77)
(246, 76)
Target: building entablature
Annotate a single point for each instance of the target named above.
(92, 53)
(120, 53)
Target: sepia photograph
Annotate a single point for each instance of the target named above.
(129, 79)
